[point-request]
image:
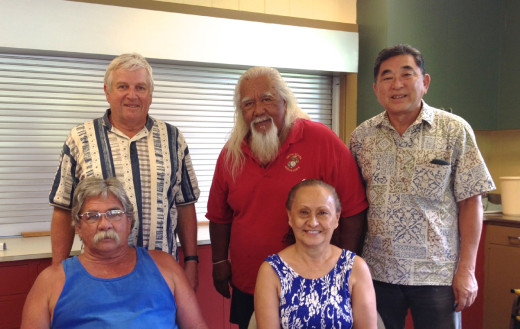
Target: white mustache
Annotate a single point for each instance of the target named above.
(108, 234)
(260, 119)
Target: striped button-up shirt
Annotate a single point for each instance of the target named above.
(154, 166)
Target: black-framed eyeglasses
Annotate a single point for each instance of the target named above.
(94, 216)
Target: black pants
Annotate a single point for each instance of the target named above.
(432, 307)
(242, 307)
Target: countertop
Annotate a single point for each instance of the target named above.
(501, 219)
(32, 248)
(40, 247)
(19, 248)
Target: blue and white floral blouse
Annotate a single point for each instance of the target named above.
(315, 303)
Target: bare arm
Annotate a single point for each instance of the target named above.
(363, 296)
(465, 285)
(62, 234)
(40, 302)
(187, 223)
(351, 232)
(267, 300)
(36, 312)
(219, 235)
(189, 314)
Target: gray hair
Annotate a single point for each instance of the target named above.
(92, 187)
(313, 182)
(289, 238)
(234, 155)
(128, 62)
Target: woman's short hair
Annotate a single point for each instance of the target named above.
(313, 182)
(92, 187)
(289, 238)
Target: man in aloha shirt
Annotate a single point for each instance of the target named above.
(424, 178)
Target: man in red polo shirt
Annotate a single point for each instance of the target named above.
(272, 147)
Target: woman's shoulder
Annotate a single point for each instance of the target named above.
(348, 254)
(360, 269)
(272, 258)
(281, 261)
(286, 253)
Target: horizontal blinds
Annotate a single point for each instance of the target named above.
(43, 97)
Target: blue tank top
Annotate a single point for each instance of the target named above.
(139, 299)
(315, 303)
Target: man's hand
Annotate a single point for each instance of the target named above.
(192, 272)
(465, 285)
(222, 278)
(465, 288)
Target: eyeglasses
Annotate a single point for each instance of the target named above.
(94, 216)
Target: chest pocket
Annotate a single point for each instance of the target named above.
(432, 173)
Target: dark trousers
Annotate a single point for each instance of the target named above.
(242, 307)
(432, 307)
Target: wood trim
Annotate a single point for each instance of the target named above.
(36, 233)
(225, 13)
(347, 105)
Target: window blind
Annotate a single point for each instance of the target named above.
(43, 97)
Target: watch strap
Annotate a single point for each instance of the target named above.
(188, 258)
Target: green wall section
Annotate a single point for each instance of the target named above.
(509, 82)
(372, 21)
(469, 46)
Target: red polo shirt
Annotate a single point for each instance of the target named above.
(255, 202)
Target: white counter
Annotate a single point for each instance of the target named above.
(40, 247)
(32, 248)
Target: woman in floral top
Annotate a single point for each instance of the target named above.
(311, 283)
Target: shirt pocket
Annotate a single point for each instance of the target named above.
(432, 174)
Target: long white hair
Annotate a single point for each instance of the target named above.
(234, 156)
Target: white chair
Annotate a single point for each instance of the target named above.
(252, 322)
(380, 324)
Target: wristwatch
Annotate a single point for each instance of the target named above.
(188, 258)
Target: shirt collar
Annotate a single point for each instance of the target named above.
(426, 115)
(106, 121)
(295, 132)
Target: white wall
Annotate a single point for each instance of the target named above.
(58, 25)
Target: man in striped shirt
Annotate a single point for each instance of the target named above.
(149, 156)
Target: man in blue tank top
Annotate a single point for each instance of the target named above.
(110, 285)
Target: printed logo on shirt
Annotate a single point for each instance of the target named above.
(293, 162)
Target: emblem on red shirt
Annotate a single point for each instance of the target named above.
(293, 161)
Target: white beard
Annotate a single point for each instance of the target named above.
(264, 146)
